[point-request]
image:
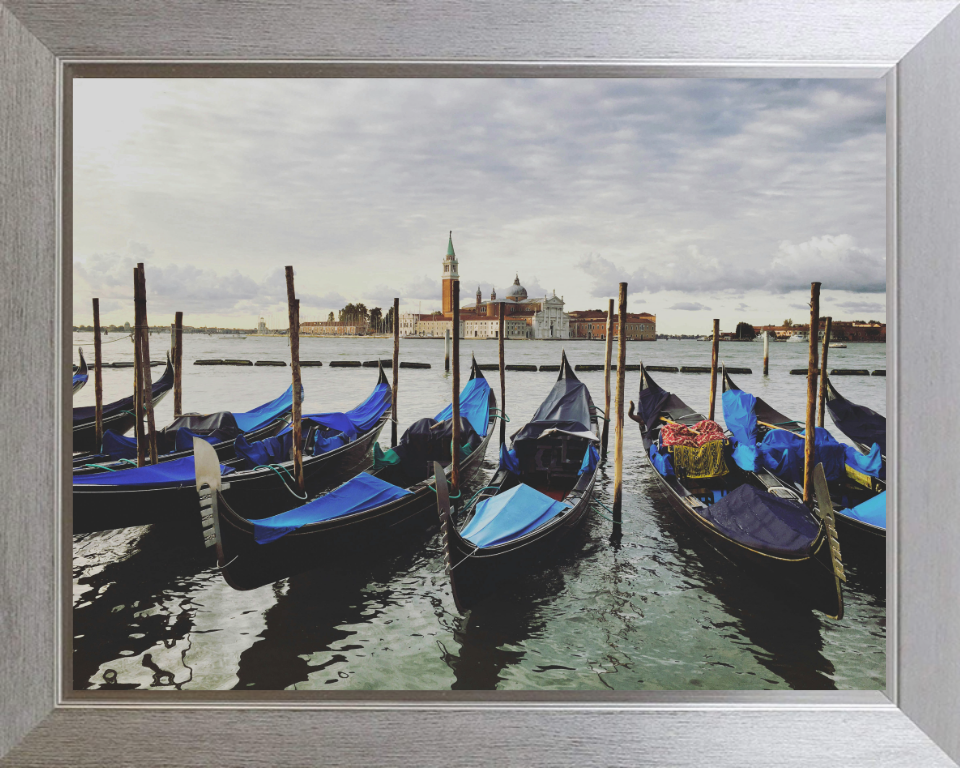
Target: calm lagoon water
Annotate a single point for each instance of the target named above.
(649, 607)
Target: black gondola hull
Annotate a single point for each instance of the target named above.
(98, 508)
(390, 528)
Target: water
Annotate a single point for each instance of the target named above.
(650, 608)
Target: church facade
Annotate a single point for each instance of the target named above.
(525, 317)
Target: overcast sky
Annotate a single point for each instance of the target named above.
(711, 198)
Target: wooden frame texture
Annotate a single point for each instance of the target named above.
(915, 44)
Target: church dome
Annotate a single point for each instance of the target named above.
(517, 292)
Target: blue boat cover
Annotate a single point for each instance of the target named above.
(510, 515)
(509, 460)
(764, 522)
(782, 453)
(566, 408)
(78, 377)
(858, 422)
(662, 462)
(872, 511)
(590, 460)
(183, 439)
(89, 412)
(356, 495)
(116, 446)
(264, 414)
(178, 473)
(368, 413)
(336, 423)
(474, 405)
(869, 463)
(740, 416)
(650, 402)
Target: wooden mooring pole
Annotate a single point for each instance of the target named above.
(147, 377)
(446, 351)
(810, 444)
(503, 380)
(396, 371)
(178, 365)
(605, 434)
(823, 372)
(97, 373)
(138, 375)
(618, 425)
(766, 353)
(713, 367)
(455, 446)
(293, 315)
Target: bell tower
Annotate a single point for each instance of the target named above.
(450, 276)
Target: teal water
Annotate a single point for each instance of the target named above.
(650, 608)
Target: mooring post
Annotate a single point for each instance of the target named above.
(608, 341)
(455, 447)
(396, 371)
(178, 365)
(138, 374)
(809, 445)
(293, 334)
(503, 380)
(766, 353)
(618, 426)
(145, 363)
(97, 376)
(446, 351)
(713, 366)
(823, 372)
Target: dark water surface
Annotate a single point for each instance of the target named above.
(650, 607)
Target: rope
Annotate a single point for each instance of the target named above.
(459, 494)
(475, 549)
(101, 466)
(485, 488)
(221, 567)
(277, 469)
(615, 522)
(122, 338)
(496, 413)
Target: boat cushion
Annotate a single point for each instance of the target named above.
(510, 515)
(361, 493)
(178, 473)
(764, 522)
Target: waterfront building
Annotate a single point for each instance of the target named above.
(592, 324)
(840, 330)
(333, 328)
(525, 317)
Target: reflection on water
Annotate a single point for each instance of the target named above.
(646, 606)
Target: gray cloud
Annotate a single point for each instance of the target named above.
(866, 307)
(689, 306)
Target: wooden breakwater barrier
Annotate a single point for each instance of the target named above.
(553, 368)
(663, 368)
(488, 366)
(375, 363)
(344, 363)
(849, 372)
(802, 372)
(880, 372)
(516, 367)
(414, 365)
(310, 364)
(277, 363)
(591, 367)
(706, 369)
(208, 362)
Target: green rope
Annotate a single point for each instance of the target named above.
(459, 494)
(100, 466)
(498, 414)
(599, 414)
(615, 522)
(277, 468)
(485, 488)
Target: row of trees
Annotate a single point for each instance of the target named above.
(358, 314)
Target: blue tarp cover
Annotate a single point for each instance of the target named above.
(474, 405)
(662, 462)
(650, 402)
(762, 521)
(368, 413)
(78, 377)
(509, 460)
(167, 474)
(872, 511)
(117, 446)
(858, 422)
(869, 464)
(263, 415)
(361, 493)
(740, 416)
(331, 422)
(510, 515)
(782, 453)
(590, 460)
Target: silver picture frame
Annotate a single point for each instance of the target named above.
(913, 44)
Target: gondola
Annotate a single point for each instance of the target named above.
(80, 375)
(855, 478)
(539, 494)
(117, 416)
(337, 445)
(864, 427)
(370, 512)
(750, 517)
(175, 441)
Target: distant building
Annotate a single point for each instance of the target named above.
(524, 317)
(840, 330)
(262, 326)
(592, 324)
(333, 328)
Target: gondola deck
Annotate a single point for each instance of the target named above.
(812, 574)
(477, 571)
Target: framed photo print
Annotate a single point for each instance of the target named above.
(471, 385)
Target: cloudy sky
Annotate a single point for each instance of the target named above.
(711, 198)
